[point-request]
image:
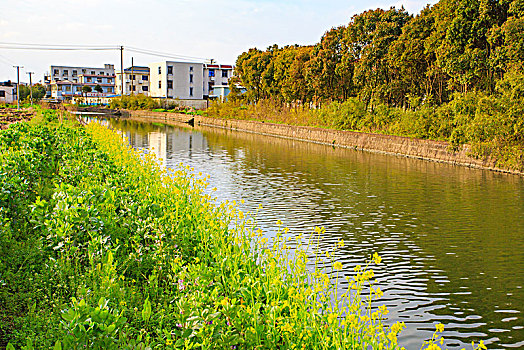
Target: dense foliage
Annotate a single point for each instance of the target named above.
(100, 248)
(453, 72)
(134, 102)
(38, 92)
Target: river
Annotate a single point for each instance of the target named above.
(451, 238)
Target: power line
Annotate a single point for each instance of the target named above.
(164, 54)
(56, 45)
(75, 47)
(57, 48)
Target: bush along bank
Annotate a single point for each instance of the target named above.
(491, 124)
(103, 249)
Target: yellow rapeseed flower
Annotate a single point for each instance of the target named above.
(337, 265)
(440, 327)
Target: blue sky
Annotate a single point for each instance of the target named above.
(198, 28)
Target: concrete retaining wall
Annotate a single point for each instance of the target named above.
(436, 151)
(158, 116)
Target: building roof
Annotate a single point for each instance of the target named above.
(136, 69)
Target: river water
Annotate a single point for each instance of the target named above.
(451, 238)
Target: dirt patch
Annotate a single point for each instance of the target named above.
(9, 116)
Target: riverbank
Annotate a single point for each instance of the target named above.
(436, 151)
(102, 248)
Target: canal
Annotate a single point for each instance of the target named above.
(451, 238)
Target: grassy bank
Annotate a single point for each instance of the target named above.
(102, 249)
(492, 125)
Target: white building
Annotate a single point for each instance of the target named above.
(7, 92)
(67, 81)
(179, 80)
(136, 81)
(216, 75)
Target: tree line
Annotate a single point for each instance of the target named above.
(394, 58)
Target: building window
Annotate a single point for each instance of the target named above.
(159, 70)
(211, 72)
(159, 84)
(84, 70)
(75, 73)
(224, 73)
(101, 73)
(109, 89)
(190, 78)
(144, 88)
(93, 72)
(169, 69)
(133, 77)
(145, 77)
(98, 80)
(56, 72)
(190, 91)
(2, 93)
(109, 80)
(190, 68)
(134, 88)
(68, 88)
(88, 80)
(66, 73)
(170, 84)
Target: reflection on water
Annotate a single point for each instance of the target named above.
(452, 238)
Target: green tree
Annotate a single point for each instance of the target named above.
(98, 88)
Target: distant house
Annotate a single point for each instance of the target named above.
(216, 75)
(136, 81)
(7, 92)
(177, 80)
(66, 82)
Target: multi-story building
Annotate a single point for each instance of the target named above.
(136, 81)
(179, 80)
(216, 75)
(66, 81)
(7, 92)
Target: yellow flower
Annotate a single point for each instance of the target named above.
(169, 342)
(376, 258)
(337, 265)
(440, 327)
(332, 317)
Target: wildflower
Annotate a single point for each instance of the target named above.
(383, 309)
(376, 258)
(332, 317)
(169, 342)
(337, 265)
(440, 327)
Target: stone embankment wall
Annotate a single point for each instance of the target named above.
(436, 151)
(159, 116)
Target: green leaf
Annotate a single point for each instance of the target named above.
(58, 346)
(146, 312)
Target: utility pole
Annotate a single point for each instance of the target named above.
(132, 77)
(122, 71)
(18, 86)
(31, 85)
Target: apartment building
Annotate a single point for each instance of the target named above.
(65, 82)
(7, 92)
(136, 81)
(216, 75)
(179, 80)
